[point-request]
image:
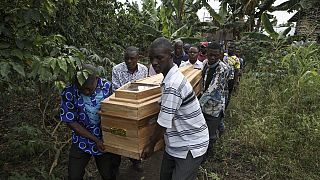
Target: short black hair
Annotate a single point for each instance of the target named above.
(194, 46)
(162, 42)
(178, 42)
(214, 45)
(132, 49)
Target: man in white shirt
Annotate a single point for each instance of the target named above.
(193, 58)
(128, 71)
(180, 119)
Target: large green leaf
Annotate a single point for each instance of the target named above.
(177, 32)
(18, 68)
(53, 63)
(191, 40)
(223, 9)
(268, 26)
(285, 32)
(163, 17)
(151, 30)
(258, 36)
(60, 85)
(18, 53)
(49, 6)
(176, 4)
(81, 78)
(63, 64)
(4, 45)
(4, 69)
(287, 6)
(45, 74)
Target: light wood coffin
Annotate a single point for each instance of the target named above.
(128, 116)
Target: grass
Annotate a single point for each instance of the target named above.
(269, 134)
(273, 130)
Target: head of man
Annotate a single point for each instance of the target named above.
(90, 83)
(214, 53)
(178, 48)
(231, 48)
(203, 47)
(161, 54)
(131, 57)
(193, 54)
(186, 48)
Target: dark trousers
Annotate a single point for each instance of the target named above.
(107, 164)
(173, 168)
(213, 125)
(230, 88)
(135, 161)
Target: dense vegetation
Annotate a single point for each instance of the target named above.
(273, 119)
(272, 122)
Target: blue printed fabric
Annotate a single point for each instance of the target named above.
(76, 107)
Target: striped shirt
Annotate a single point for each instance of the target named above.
(181, 114)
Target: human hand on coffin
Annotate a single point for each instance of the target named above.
(147, 150)
(155, 137)
(100, 145)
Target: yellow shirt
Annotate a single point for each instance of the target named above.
(234, 61)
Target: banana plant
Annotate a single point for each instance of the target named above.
(276, 40)
(292, 5)
(171, 19)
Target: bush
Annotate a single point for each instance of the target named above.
(273, 121)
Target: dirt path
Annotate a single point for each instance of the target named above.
(151, 168)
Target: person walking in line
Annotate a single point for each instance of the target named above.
(80, 104)
(212, 100)
(128, 71)
(180, 120)
(179, 54)
(193, 58)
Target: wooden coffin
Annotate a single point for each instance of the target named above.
(128, 116)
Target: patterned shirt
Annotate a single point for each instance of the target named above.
(197, 65)
(214, 83)
(226, 67)
(76, 107)
(121, 75)
(181, 114)
(234, 63)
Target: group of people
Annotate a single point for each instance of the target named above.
(190, 125)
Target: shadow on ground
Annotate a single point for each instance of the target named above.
(151, 168)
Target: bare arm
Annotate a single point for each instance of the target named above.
(156, 136)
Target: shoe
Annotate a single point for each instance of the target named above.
(137, 166)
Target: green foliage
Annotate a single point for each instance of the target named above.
(32, 49)
(268, 26)
(26, 141)
(18, 176)
(274, 118)
(292, 5)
